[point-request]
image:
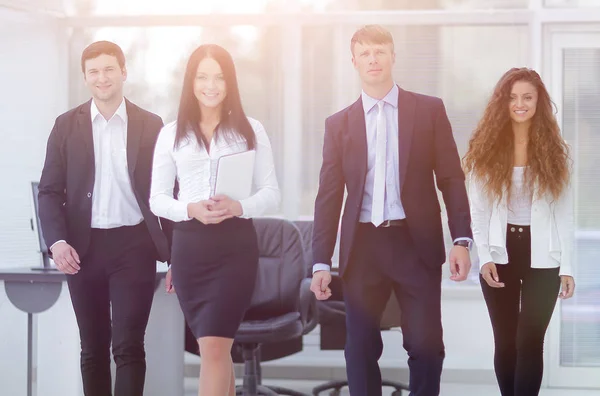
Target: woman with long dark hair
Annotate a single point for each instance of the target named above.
(522, 213)
(214, 253)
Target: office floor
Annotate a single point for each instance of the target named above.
(191, 389)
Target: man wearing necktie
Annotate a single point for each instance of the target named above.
(389, 150)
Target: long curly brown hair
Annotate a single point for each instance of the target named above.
(490, 157)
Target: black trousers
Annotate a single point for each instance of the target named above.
(117, 272)
(384, 259)
(520, 313)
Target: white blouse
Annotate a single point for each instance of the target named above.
(195, 170)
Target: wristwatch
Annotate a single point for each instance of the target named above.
(464, 243)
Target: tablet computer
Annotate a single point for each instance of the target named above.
(234, 175)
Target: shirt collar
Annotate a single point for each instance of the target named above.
(391, 98)
(121, 111)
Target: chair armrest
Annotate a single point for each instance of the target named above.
(309, 313)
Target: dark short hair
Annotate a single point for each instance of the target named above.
(375, 34)
(98, 48)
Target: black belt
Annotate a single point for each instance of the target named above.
(392, 223)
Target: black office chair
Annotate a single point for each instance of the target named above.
(283, 307)
(37, 228)
(332, 318)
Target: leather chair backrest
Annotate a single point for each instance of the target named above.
(281, 268)
(306, 230)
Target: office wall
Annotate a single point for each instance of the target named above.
(33, 79)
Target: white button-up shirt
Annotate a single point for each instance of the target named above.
(113, 201)
(392, 209)
(195, 170)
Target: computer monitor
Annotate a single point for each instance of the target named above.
(36, 227)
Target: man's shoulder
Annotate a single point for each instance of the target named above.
(67, 115)
(339, 117)
(423, 98)
(143, 113)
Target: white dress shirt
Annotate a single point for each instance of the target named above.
(113, 201)
(195, 170)
(392, 208)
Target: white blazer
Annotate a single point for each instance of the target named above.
(551, 228)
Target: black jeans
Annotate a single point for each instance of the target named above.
(118, 271)
(520, 313)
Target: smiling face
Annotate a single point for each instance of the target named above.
(209, 85)
(523, 102)
(104, 77)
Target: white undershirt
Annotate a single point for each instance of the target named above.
(520, 199)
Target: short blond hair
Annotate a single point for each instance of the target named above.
(375, 34)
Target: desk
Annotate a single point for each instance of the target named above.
(35, 291)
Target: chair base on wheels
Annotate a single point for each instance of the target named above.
(263, 390)
(252, 385)
(335, 387)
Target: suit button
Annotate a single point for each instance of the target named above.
(512, 229)
(89, 195)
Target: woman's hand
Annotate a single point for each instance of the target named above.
(206, 213)
(489, 272)
(231, 206)
(568, 286)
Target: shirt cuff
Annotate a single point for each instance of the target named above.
(465, 239)
(321, 267)
(180, 208)
(54, 244)
(565, 271)
(247, 208)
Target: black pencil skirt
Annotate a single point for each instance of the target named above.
(214, 271)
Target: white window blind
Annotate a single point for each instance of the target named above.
(580, 327)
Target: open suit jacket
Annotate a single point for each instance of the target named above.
(551, 228)
(427, 156)
(67, 181)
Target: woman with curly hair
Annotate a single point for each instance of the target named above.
(521, 208)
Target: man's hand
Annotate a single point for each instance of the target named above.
(460, 263)
(223, 202)
(568, 286)
(65, 258)
(169, 288)
(320, 285)
(489, 273)
(205, 213)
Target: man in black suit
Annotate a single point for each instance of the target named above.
(385, 150)
(93, 204)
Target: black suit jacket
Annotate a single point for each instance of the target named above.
(426, 149)
(67, 181)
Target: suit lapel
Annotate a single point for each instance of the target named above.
(406, 125)
(358, 141)
(135, 125)
(84, 128)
